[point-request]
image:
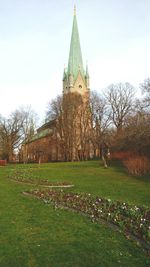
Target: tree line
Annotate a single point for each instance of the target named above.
(115, 117)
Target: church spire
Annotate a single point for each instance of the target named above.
(75, 56)
(75, 79)
(74, 10)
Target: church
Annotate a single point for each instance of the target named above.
(66, 137)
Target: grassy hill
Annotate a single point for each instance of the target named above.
(34, 234)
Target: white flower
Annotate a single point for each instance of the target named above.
(99, 210)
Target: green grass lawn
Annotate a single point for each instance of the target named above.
(33, 234)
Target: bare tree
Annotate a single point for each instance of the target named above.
(71, 113)
(135, 135)
(14, 130)
(29, 126)
(70, 123)
(84, 131)
(120, 98)
(54, 108)
(100, 120)
(145, 86)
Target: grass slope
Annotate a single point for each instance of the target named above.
(33, 234)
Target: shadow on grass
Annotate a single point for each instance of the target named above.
(116, 165)
(144, 178)
(119, 167)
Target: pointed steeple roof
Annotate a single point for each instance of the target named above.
(75, 56)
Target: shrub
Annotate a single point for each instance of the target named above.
(121, 155)
(3, 162)
(137, 165)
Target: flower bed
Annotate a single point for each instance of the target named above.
(27, 177)
(132, 220)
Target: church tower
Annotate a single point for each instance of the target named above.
(75, 78)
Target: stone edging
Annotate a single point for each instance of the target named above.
(49, 186)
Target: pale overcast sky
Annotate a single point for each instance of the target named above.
(35, 39)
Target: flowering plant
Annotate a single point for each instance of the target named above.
(133, 220)
(27, 176)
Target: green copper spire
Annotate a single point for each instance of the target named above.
(75, 57)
